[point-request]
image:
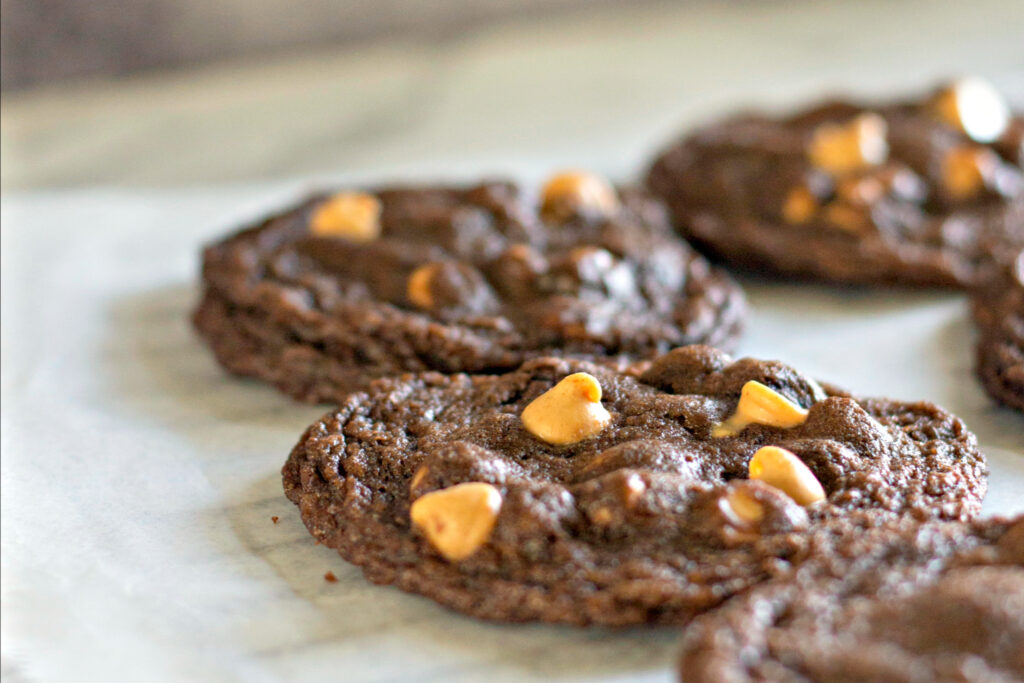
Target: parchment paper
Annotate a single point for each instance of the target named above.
(140, 481)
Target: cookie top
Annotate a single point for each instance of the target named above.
(925, 192)
(998, 308)
(353, 286)
(566, 491)
(904, 601)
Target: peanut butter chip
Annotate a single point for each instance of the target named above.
(459, 519)
(418, 286)
(964, 170)
(742, 508)
(350, 215)
(975, 107)
(779, 468)
(572, 192)
(762, 405)
(522, 252)
(841, 149)
(568, 412)
(603, 516)
(847, 217)
(800, 206)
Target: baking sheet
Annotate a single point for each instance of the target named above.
(140, 481)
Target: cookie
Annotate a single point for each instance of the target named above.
(567, 491)
(903, 601)
(998, 308)
(345, 288)
(924, 193)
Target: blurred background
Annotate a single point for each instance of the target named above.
(48, 40)
(185, 92)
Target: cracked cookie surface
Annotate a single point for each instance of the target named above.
(848, 192)
(897, 601)
(998, 308)
(345, 288)
(647, 519)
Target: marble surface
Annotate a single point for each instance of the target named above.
(139, 481)
(64, 39)
(598, 89)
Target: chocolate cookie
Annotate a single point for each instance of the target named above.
(346, 288)
(998, 308)
(904, 601)
(916, 193)
(566, 491)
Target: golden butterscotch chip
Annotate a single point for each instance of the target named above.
(573, 192)
(459, 519)
(845, 148)
(783, 470)
(975, 107)
(522, 252)
(848, 217)
(964, 170)
(602, 516)
(354, 216)
(742, 508)
(761, 405)
(800, 206)
(418, 287)
(568, 412)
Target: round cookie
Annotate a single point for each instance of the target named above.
(900, 601)
(344, 289)
(607, 498)
(998, 309)
(924, 193)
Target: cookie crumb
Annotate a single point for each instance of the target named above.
(329, 577)
(275, 519)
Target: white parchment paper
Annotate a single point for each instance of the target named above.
(139, 481)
